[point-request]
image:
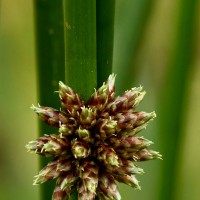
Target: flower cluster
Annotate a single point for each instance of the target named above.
(96, 144)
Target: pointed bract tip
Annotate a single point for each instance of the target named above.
(111, 80)
(140, 88)
(27, 146)
(113, 161)
(157, 155)
(138, 170)
(150, 116)
(142, 94)
(138, 187)
(35, 181)
(153, 114)
(141, 171)
(61, 84)
(34, 108)
(148, 142)
(30, 146)
(136, 183)
(112, 77)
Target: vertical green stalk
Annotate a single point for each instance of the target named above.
(50, 63)
(132, 17)
(172, 106)
(105, 38)
(80, 46)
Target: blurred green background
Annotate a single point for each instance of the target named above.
(157, 45)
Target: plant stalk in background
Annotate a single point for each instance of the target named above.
(80, 46)
(174, 95)
(50, 62)
(105, 12)
(132, 19)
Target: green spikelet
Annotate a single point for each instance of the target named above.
(80, 149)
(85, 135)
(87, 117)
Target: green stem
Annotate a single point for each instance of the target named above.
(173, 97)
(131, 17)
(50, 63)
(105, 37)
(80, 46)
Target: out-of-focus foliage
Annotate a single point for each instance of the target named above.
(148, 52)
(17, 93)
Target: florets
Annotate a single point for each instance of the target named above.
(96, 144)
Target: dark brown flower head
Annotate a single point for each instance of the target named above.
(96, 144)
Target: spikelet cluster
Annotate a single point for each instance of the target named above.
(96, 144)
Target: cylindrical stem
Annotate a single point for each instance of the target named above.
(105, 38)
(50, 64)
(80, 46)
(174, 95)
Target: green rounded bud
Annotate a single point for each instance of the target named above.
(113, 160)
(87, 116)
(65, 130)
(85, 135)
(79, 149)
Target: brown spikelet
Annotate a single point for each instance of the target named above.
(107, 188)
